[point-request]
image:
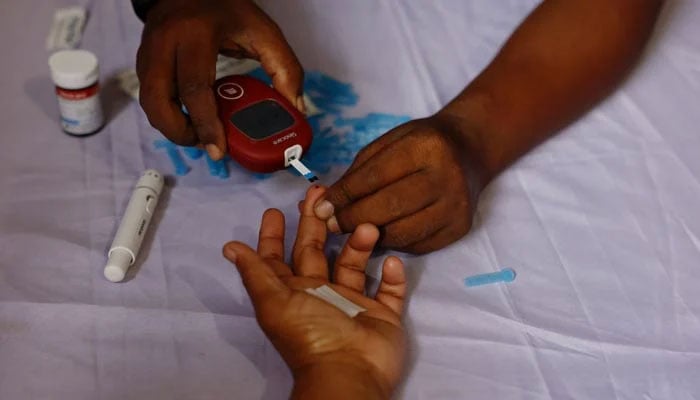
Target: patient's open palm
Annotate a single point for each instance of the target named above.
(307, 330)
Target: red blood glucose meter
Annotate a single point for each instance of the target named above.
(264, 130)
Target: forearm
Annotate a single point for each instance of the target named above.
(566, 56)
(338, 382)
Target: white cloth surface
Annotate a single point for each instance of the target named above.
(601, 223)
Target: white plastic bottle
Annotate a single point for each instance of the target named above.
(76, 76)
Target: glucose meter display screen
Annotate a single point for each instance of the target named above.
(262, 120)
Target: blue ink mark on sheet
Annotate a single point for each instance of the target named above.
(336, 139)
(329, 95)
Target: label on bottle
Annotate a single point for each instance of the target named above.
(81, 110)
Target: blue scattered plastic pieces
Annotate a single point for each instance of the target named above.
(181, 167)
(504, 275)
(336, 139)
(216, 168)
(193, 152)
(337, 142)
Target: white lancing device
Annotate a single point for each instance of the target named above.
(134, 224)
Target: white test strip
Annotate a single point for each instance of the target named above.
(67, 28)
(301, 168)
(329, 295)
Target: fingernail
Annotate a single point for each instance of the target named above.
(214, 152)
(324, 209)
(332, 225)
(301, 105)
(230, 254)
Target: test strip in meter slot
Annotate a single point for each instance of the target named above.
(292, 157)
(301, 168)
(264, 131)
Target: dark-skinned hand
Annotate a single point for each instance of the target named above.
(418, 183)
(176, 64)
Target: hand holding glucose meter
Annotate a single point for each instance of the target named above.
(264, 132)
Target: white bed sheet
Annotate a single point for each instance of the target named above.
(601, 223)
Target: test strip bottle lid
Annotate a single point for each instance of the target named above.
(74, 69)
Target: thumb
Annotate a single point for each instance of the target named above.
(281, 64)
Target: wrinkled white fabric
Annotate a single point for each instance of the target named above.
(601, 224)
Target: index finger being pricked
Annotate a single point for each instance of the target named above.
(196, 71)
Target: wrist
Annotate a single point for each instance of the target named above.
(339, 380)
(471, 113)
(467, 125)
